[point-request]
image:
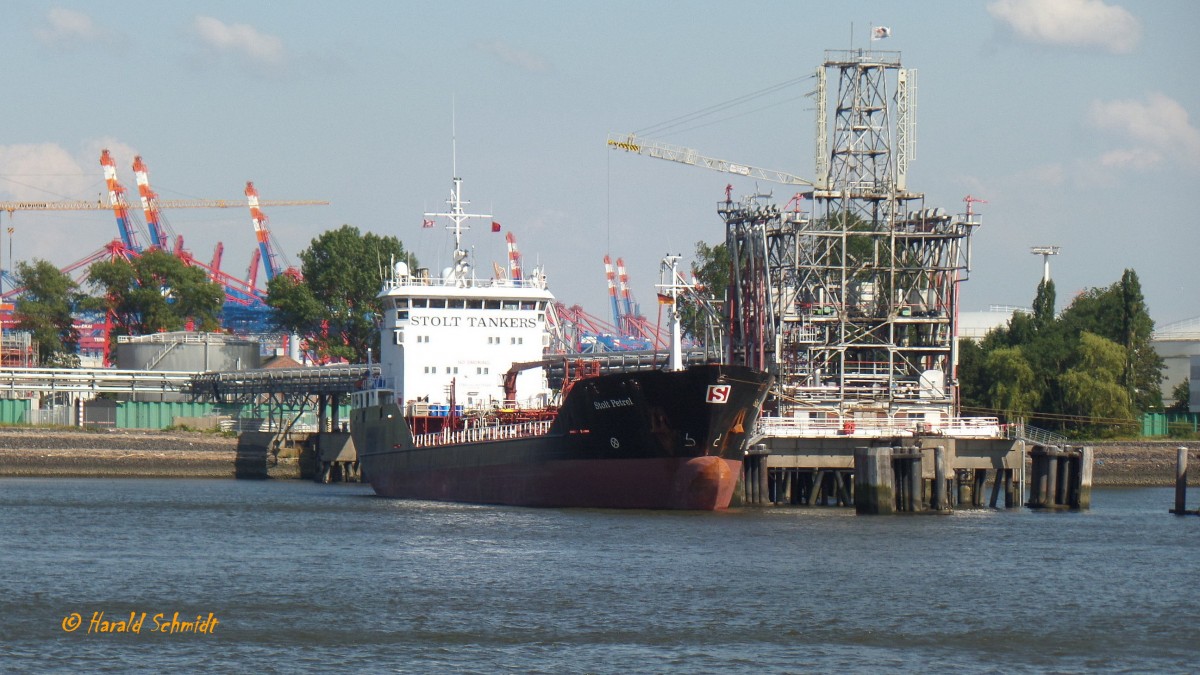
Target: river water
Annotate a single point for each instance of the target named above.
(288, 576)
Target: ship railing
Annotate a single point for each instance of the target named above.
(483, 434)
(955, 427)
(434, 282)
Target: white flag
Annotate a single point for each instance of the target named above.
(880, 32)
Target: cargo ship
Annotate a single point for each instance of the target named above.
(464, 410)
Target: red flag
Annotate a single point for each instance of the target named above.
(495, 226)
(427, 223)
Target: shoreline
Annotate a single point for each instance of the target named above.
(64, 453)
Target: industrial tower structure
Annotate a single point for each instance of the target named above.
(849, 293)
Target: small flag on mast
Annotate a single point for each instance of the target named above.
(427, 223)
(880, 32)
(495, 226)
(664, 299)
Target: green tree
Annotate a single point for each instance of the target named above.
(1092, 388)
(334, 307)
(973, 385)
(1043, 304)
(156, 292)
(44, 309)
(1119, 313)
(711, 269)
(1012, 383)
(1182, 395)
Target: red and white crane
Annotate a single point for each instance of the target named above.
(158, 236)
(266, 251)
(116, 199)
(612, 289)
(626, 296)
(514, 257)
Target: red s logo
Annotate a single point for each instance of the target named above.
(718, 393)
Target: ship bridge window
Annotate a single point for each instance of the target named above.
(400, 303)
(508, 304)
(491, 304)
(456, 304)
(528, 304)
(420, 302)
(402, 315)
(474, 304)
(437, 303)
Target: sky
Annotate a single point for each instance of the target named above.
(1076, 121)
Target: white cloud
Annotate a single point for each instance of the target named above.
(68, 29)
(513, 56)
(1157, 129)
(44, 172)
(48, 172)
(1051, 175)
(1073, 23)
(241, 42)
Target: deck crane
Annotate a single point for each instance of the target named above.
(676, 153)
(116, 199)
(158, 236)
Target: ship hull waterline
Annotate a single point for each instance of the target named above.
(641, 440)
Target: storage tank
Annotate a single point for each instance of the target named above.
(187, 351)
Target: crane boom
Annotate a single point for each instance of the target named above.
(116, 202)
(676, 153)
(98, 205)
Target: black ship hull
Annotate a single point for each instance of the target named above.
(645, 439)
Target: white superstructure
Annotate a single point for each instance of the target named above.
(456, 330)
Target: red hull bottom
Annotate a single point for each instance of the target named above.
(686, 483)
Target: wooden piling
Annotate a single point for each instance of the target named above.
(873, 481)
(996, 484)
(962, 487)
(977, 491)
(764, 480)
(916, 479)
(1081, 478)
(1181, 460)
(940, 500)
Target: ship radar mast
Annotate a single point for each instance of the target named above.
(458, 222)
(668, 296)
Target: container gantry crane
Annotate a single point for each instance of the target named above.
(116, 200)
(158, 236)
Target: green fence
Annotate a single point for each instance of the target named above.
(1166, 424)
(14, 410)
(160, 415)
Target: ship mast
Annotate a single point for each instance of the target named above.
(668, 295)
(458, 222)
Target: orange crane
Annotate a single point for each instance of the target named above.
(265, 251)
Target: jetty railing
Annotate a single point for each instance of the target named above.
(960, 427)
(1025, 432)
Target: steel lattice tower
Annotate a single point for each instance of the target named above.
(851, 298)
